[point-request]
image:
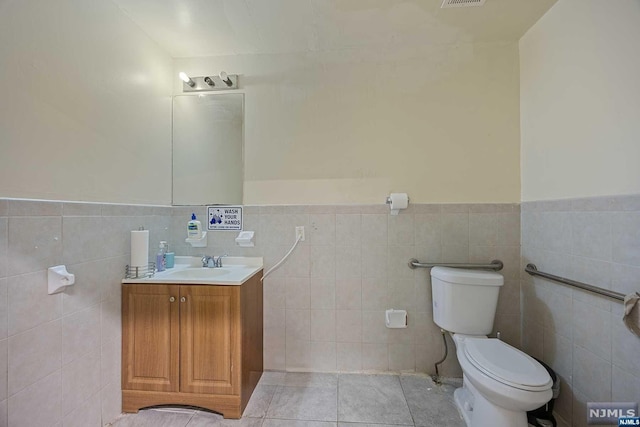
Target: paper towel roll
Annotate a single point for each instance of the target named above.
(140, 248)
(398, 201)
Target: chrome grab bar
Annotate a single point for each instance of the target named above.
(495, 265)
(533, 270)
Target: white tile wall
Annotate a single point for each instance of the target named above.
(581, 335)
(324, 309)
(349, 356)
(34, 354)
(326, 303)
(45, 395)
(60, 353)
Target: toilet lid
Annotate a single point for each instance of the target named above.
(507, 364)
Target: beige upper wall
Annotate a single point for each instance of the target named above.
(440, 123)
(580, 101)
(86, 115)
(85, 111)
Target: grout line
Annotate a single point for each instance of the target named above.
(193, 414)
(337, 397)
(266, 411)
(406, 402)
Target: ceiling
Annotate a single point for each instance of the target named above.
(190, 28)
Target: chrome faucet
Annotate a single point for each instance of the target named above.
(208, 261)
(212, 262)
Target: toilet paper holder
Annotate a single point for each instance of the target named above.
(397, 201)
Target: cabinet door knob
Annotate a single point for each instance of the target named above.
(172, 299)
(183, 299)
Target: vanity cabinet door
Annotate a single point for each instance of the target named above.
(210, 345)
(150, 337)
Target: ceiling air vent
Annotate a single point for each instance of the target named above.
(461, 3)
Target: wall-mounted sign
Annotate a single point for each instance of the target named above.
(224, 217)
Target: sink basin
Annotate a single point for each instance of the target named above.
(189, 270)
(197, 273)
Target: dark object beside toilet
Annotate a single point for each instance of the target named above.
(543, 416)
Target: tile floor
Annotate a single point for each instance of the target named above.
(325, 400)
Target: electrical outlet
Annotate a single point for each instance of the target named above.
(300, 233)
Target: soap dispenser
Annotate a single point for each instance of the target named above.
(194, 228)
(169, 257)
(195, 236)
(160, 263)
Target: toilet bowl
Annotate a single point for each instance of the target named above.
(500, 383)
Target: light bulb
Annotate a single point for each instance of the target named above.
(185, 78)
(225, 78)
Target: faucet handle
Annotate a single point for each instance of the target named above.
(218, 261)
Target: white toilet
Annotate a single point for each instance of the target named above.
(500, 383)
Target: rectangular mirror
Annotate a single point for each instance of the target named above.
(208, 156)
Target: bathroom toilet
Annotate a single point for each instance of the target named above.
(500, 382)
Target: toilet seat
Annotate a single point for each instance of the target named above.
(506, 364)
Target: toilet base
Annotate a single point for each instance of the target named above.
(463, 399)
(479, 412)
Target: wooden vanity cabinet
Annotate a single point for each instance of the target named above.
(198, 345)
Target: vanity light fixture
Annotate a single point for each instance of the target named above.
(208, 83)
(225, 79)
(186, 79)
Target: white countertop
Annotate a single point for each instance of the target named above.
(188, 270)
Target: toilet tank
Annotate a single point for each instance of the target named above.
(465, 301)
